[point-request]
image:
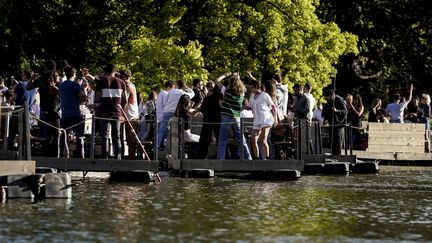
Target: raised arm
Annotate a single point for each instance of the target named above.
(411, 87)
(220, 78)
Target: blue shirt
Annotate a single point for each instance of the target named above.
(23, 95)
(69, 98)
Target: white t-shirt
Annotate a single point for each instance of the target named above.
(173, 97)
(261, 105)
(311, 102)
(160, 104)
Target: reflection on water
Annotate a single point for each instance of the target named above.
(359, 208)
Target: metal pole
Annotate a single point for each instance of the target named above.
(27, 131)
(155, 150)
(299, 143)
(6, 134)
(182, 140)
(350, 139)
(241, 140)
(20, 134)
(92, 136)
(320, 148)
(346, 139)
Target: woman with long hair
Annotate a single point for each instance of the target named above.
(184, 110)
(265, 114)
(231, 107)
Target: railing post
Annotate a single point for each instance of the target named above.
(299, 138)
(182, 140)
(319, 138)
(27, 131)
(351, 139)
(92, 136)
(6, 130)
(155, 149)
(20, 134)
(241, 139)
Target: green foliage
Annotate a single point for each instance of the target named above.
(394, 44)
(154, 61)
(178, 39)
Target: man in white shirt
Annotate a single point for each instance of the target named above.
(131, 111)
(310, 99)
(397, 108)
(171, 101)
(160, 101)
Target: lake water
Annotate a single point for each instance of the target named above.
(395, 205)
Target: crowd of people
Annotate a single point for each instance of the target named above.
(60, 99)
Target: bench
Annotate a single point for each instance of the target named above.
(396, 137)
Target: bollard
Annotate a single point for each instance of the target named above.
(200, 173)
(24, 186)
(313, 168)
(133, 176)
(336, 168)
(57, 185)
(365, 168)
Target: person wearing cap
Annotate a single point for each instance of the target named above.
(131, 111)
(307, 89)
(335, 114)
(110, 98)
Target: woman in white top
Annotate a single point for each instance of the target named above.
(264, 111)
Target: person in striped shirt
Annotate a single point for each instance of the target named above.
(233, 97)
(110, 99)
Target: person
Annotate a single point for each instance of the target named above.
(171, 102)
(147, 121)
(301, 106)
(110, 99)
(425, 111)
(3, 88)
(281, 95)
(20, 96)
(317, 113)
(131, 112)
(199, 93)
(161, 101)
(232, 101)
(397, 108)
(211, 112)
(412, 110)
(373, 114)
(354, 116)
(71, 95)
(381, 116)
(62, 64)
(265, 116)
(307, 89)
(185, 111)
(47, 85)
(335, 114)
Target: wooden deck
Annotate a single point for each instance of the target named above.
(96, 165)
(238, 165)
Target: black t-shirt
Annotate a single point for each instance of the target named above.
(211, 107)
(48, 102)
